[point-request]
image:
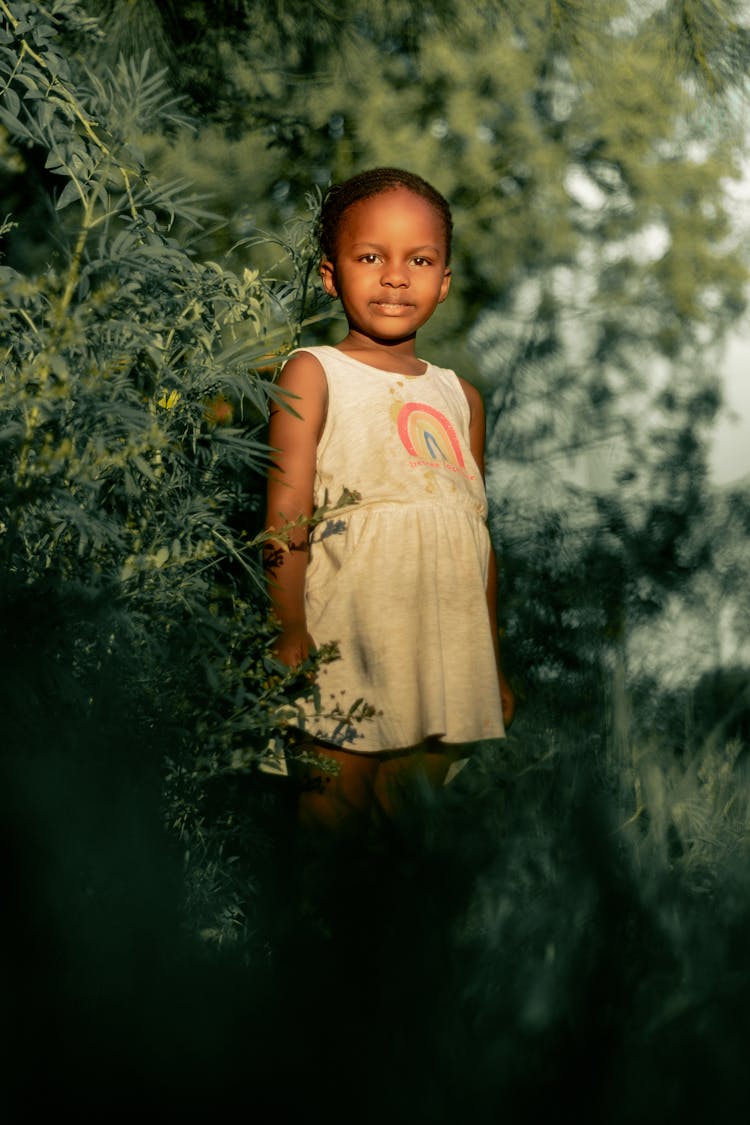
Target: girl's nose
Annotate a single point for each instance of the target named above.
(395, 276)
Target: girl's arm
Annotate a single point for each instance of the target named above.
(289, 495)
(476, 441)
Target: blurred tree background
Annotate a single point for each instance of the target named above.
(574, 906)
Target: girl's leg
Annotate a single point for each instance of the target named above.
(400, 776)
(338, 801)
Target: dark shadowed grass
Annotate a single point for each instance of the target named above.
(564, 926)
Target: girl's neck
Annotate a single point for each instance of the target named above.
(399, 355)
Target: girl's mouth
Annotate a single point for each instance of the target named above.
(392, 306)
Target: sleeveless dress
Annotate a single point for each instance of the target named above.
(398, 579)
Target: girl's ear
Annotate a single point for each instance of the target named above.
(445, 286)
(328, 277)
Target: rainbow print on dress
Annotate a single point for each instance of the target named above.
(428, 436)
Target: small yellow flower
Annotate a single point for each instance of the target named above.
(168, 400)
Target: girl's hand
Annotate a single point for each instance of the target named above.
(293, 645)
(507, 699)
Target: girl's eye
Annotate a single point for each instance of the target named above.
(369, 259)
(420, 261)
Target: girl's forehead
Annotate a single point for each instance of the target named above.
(397, 211)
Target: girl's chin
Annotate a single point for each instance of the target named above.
(399, 322)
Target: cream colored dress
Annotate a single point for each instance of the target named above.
(399, 579)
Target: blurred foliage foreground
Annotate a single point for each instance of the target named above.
(567, 922)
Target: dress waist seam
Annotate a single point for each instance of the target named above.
(405, 506)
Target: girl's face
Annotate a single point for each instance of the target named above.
(390, 270)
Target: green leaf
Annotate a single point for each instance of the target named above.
(13, 125)
(70, 192)
(13, 101)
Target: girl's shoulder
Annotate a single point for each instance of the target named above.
(317, 363)
(473, 396)
(303, 363)
(321, 353)
(303, 383)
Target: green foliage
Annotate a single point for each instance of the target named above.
(586, 150)
(509, 107)
(133, 401)
(569, 916)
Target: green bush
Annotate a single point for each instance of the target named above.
(136, 381)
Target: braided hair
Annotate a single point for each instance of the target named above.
(340, 197)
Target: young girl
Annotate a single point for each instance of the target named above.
(404, 578)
